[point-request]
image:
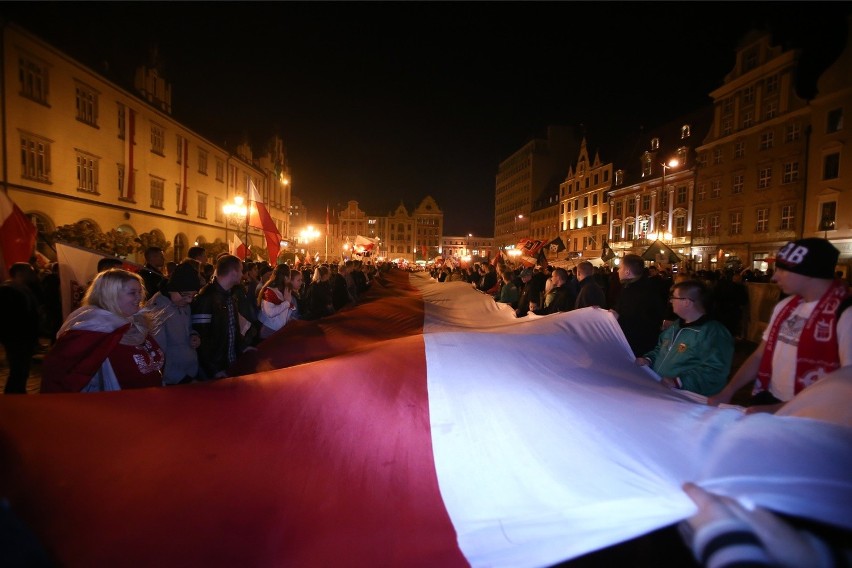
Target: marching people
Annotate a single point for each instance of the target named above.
(176, 336)
(808, 335)
(639, 308)
(19, 325)
(695, 352)
(215, 317)
(108, 343)
(276, 302)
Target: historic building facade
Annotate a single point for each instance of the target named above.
(78, 147)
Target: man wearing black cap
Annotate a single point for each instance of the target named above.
(807, 337)
(176, 336)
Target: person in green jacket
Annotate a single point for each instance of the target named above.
(695, 352)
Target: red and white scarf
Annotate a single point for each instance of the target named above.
(817, 353)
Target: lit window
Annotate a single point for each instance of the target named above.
(681, 195)
(701, 193)
(202, 205)
(736, 222)
(220, 170)
(713, 225)
(737, 182)
(788, 217)
(655, 143)
(748, 118)
(717, 156)
(700, 227)
(764, 177)
(157, 192)
(792, 132)
(771, 109)
(684, 132)
(158, 140)
(762, 224)
(202, 161)
(739, 149)
(715, 189)
(767, 140)
(791, 172)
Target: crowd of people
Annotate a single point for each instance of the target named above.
(167, 323)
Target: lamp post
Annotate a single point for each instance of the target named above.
(307, 235)
(467, 250)
(235, 212)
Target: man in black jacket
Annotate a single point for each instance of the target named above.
(560, 298)
(639, 307)
(590, 293)
(530, 293)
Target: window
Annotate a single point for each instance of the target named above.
(750, 62)
(603, 218)
(739, 149)
(121, 181)
(606, 176)
(831, 166)
(34, 79)
(646, 165)
(596, 179)
(788, 217)
(122, 121)
(737, 182)
(585, 201)
(619, 177)
(717, 156)
(646, 202)
(748, 118)
(217, 211)
(87, 172)
(736, 222)
(715, 189)
(701, 194)
(700, 227)
(179, 146)
(35, 158)
(791, 172)
(727, 126)
(835, 120)
(748, 94)
(680, 226)
(157, 192)
(202, 161)
(618, 208)
(772, 84)
(158, 140)
(771, 110)
(764, 177)
(629, 231)
(728, 106)
(713, 225)
(594, 219)
(87, 105)
(684, 132)
(681, 195)
(220, 170)
(828, 216)
(762, 224)
(631, 206)
(767, 140)
(594, 199)
(792, 132)
(655, 143)
(702, 159)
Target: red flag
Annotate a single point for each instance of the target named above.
(17, 233)
(128, 189)
(261, 219)
(184, 190)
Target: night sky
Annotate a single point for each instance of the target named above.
(389, 102)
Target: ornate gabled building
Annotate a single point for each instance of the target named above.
(524, 176)
(652, 197)
(429, 223)
(81, 148)
(584, 205)
(751, 166)
(828, 205)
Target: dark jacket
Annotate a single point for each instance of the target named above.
(531, 291)
(210, 318)
(154, 280)
(640, 314)
(559, 299)
(319, 301)
(590, 294)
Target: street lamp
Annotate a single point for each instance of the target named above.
(515, 233)
(467, 250)
(308, 234)
(236, 212)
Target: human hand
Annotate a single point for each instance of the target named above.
(669, 382)
(764, 408)
(643, 361)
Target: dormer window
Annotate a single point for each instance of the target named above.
(646, 165)
(619, 177)
(655, 143)
(684, 132)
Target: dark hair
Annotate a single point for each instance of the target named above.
(20, 268)
(695, 290)
(151, 251)
(196, 253)
(635, 263)
(108, 262)
(228, 263)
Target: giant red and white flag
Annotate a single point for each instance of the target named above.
(17, 234)
(77, 268)
(261, 219)
(237, 247)
(381, 436)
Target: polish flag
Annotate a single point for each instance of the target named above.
(237, 247)
(128, 191)
(260, 218)
(424, 426)
(17, 234)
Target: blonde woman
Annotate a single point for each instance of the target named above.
(107, 344)
(276, 302)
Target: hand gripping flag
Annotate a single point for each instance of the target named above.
(260, 218)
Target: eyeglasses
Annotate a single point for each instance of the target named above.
(673, 298)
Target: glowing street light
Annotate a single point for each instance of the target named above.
(237, 212)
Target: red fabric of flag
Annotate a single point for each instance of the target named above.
(17, 233)
(261, 219)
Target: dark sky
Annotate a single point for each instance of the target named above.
(392, 101)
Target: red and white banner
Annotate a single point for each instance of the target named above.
(17, 235)
(381, 436)
(128, 189)
(77, 268)
(261, 219)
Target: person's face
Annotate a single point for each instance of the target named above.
(231, 279)
(130, 298)
(623, 272)
(297, 281)
(681, 302)
(158, 259)
(181, 299)
(789, 282)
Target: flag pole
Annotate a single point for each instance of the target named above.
(248, 213)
